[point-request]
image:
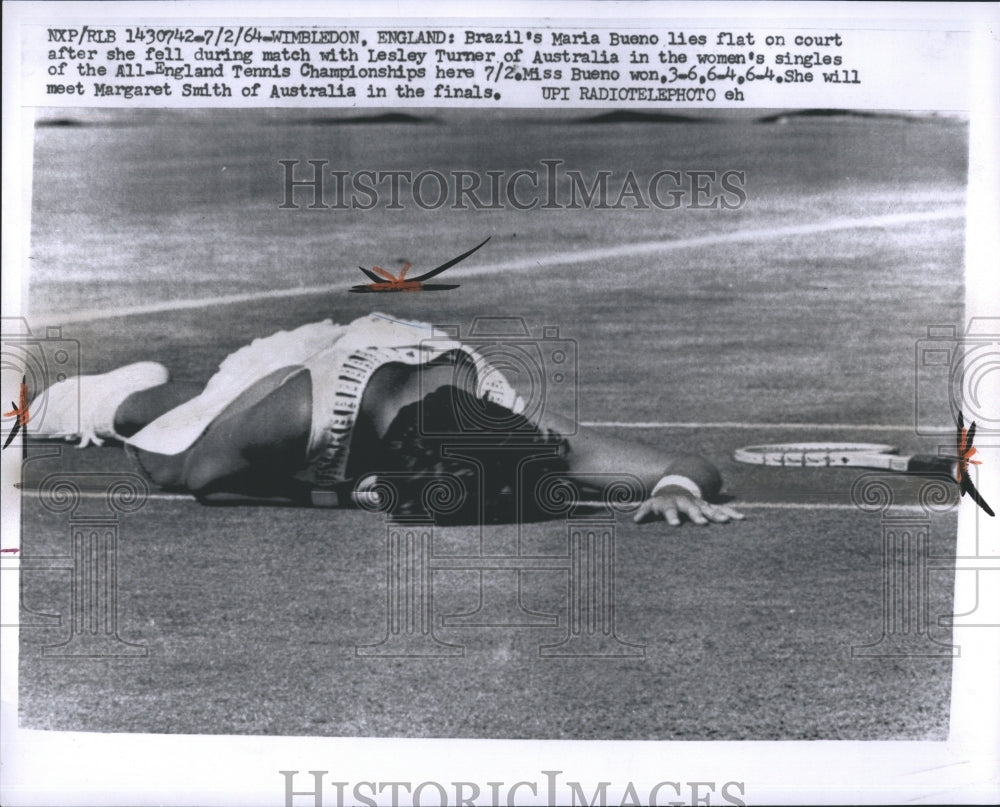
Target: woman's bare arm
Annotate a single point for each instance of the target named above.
(695, 482)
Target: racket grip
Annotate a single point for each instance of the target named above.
(928, 463)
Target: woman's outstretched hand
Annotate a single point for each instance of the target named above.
(670, 506)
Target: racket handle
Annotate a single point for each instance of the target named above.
(928, 463)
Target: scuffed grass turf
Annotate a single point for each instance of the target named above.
(251, 618)
(251, 615)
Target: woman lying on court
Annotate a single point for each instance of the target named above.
(320, 414)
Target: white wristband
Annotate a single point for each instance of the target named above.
(675, 480)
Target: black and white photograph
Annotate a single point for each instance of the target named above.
(608, 430)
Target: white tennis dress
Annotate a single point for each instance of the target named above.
(341, 359)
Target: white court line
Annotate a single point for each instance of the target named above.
(909, 508)
(183, 497)
(667, 424)
(93, 494)
(526, 264)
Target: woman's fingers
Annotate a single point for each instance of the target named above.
(731, 512)
(692, 509)
(670, 508)
(670, 514)
(644, 510)
(660, 508)
(720, 513)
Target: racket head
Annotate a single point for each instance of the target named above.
(819, 455)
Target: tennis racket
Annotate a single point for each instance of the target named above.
(844, 455)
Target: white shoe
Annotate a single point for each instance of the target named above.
(83, 407)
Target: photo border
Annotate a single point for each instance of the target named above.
(41, 767)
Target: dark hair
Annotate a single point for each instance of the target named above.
(485, 461)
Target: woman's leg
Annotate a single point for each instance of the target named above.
(143, 407)
(253, 447)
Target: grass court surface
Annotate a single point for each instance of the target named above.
(801, 308)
